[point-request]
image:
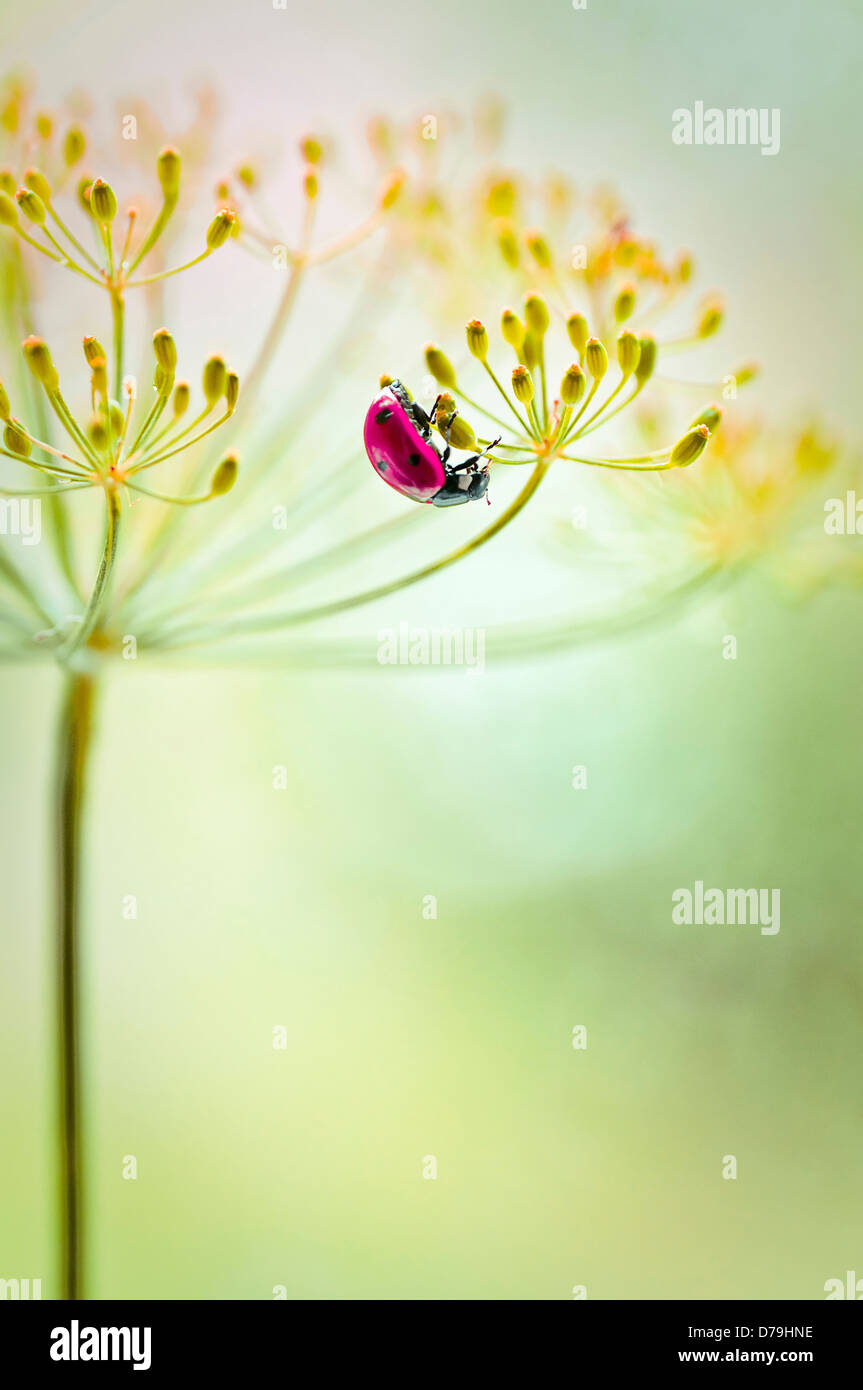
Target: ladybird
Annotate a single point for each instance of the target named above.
(398, 440)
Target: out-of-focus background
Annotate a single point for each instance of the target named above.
(451, 1036)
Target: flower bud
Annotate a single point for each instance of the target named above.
(538, 248)
(5, 408)
(181, 399)
(232, 392)
(220, 228)
(7, 183)
(310, 184)
(477, 340)
(573, 386)
(748, 372)
(40, 363)
(508, 245)
(536, 315)
(117, 418)
(168, 167)
(165, 349)
(684, 267)
(460, 434)
(311, 149)
(103, 202)
(530, 350)
(385, 380)
(595, 358)
(440, 366)
(74, 145)
(628, 352)
(31, 205)
(100, 376)
(36, 181)
(97, 430)
(646, 358)
(16, 440)
(225, 476)
(522, 385)
(8, 211)
(690, 447)
(44, 125)
(93, 351)
(392, 189)
(624, 303)
(512, 329)
(711, 318)
(501, 198)
(576, 327)
(214, 379)
(709, 416)
(82, 193)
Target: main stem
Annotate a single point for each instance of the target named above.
(73, 744)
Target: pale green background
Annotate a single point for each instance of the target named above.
(303, 907)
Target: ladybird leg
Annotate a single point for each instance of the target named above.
(474, 460)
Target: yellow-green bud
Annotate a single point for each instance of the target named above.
(97, 430)
(225, 476)
(165, 349)
(684, 267)
(624, 303)
(690, 447)
(536, 315)
(232, 392)
(16, 440)
(530, 350)
(7, 183)
(82, 192)
(512, 329)
(439, 366)
(311, 149)
(392, 189)
(500, 199)
(40, 363)
(117, 418)
(31, 205)
(748, 372)
(711, 318)
(100, 376)
(93, 351)
(646, 358)
(477, 340)
(576, 327)
(36, 181)
(310, 184)
(103, 201)
(44, 125)
(5, 408)
(460, 434)
(168, 169)
(8, 211)
(595, 358)
(220, 229)
(628, 352)
(74, 145)
(522, 385)
(508, 245)
(385, 380)
(573, 386)
(182, 395)
(214, 379)
(709, 416)
(538, 248)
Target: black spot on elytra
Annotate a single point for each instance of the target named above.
(383, 415)
(415, 459)
(382, 468)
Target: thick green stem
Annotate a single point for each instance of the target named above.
(98, 597)
(72, 749)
